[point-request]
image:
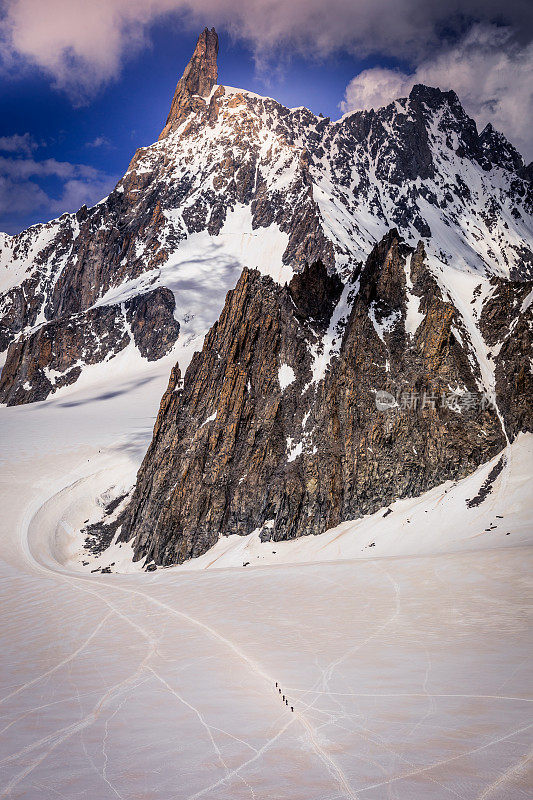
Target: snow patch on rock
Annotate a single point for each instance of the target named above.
(286, 376)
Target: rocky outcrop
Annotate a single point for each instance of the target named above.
(277, 425)
(315, 293)
(499, 152)
(150, 317)
(197, 81)
(17, 314)
(54, 354)
(506, 323)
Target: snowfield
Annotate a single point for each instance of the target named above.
(402, 644)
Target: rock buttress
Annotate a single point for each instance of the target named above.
(198, 79)
(236, 451)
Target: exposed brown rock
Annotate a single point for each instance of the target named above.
(232, 450)
(197, 81)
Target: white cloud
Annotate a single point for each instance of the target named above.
(82, 44)
(21, 194)
(374, 88)
(77, 192)
(24, 168)
(99, 141)
(19, 197)
(488, 69)
(18, 143)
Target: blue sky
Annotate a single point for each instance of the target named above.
(78, 96)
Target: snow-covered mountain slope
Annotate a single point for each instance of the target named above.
(274, 188)
(403, 659)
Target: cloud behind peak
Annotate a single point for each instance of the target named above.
(82, 45)
(489, 69)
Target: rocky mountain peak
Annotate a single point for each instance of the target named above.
(277, 427)
(198, 79)
(432, 96)
(498, 150)
(309, 200)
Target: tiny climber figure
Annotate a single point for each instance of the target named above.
(292, 709)
(276, 684)
(286, 702)
(279, 690)
(283, 698)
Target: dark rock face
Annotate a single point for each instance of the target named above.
(54, 354)
(16, 316)
(486, 488)
(499, 151)
(151, 317)
(241, 446)
(506, 323)
(315, 293)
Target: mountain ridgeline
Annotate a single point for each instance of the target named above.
(376, 343)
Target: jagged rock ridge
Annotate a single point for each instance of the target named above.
(405, 240)
(319, 190)
(272, 431)
(198, 79)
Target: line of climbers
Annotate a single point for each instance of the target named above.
(283, 697)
